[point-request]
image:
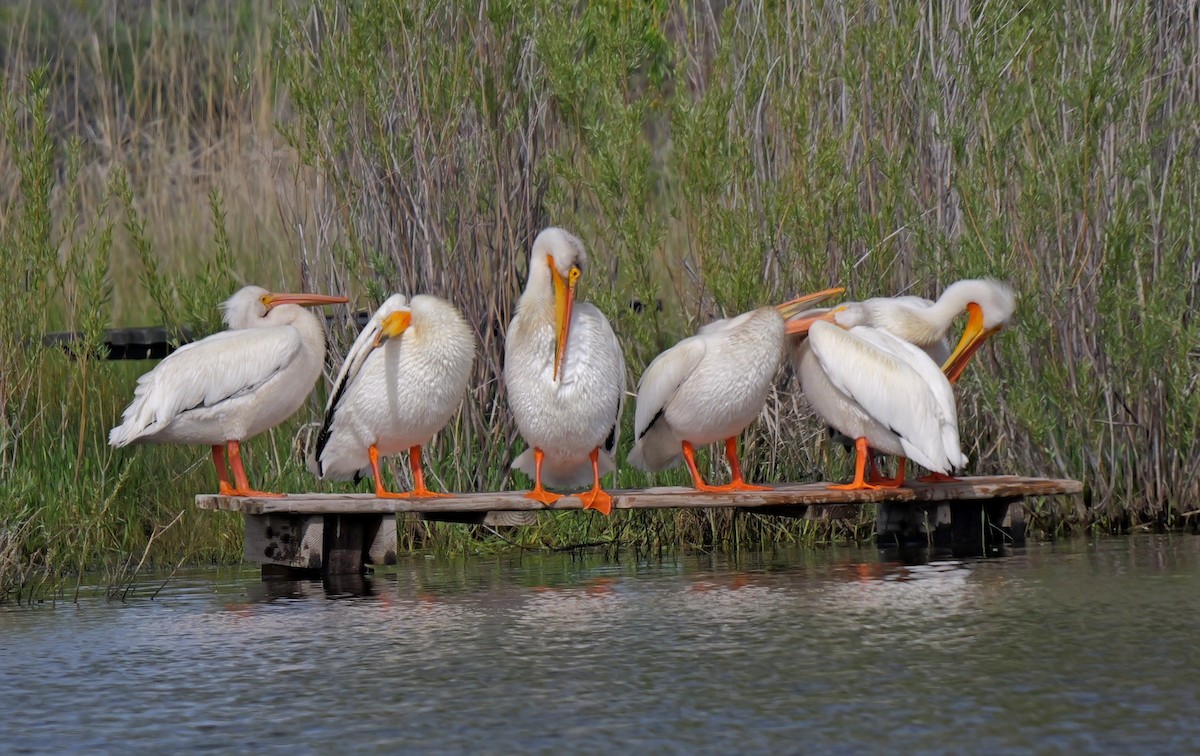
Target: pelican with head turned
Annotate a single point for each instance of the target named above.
(223, 389)
(565, 376)
(989, 305)
(708, 388)
(401, 382)
(882, 391)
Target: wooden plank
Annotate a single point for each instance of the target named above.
(786, 494)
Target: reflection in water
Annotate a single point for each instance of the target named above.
(1074, 647)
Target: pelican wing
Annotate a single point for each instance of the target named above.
(205, 373)
(665, 374)
(614, 434)
(590, 326)
(895, 383)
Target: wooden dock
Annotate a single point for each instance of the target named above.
(333, 534)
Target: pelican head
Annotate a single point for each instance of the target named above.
(989, 307)
(252, 305)
(562, 254)
(394, 324)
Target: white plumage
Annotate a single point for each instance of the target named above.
(393, 397)
(925, 323)
(234, 384)
(565, 375)
(882, 391)
(707, 388)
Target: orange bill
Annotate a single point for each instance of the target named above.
(393, 325)
(973, 337)
(564, 304)
(305, 300)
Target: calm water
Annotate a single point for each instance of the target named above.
(1087, 646)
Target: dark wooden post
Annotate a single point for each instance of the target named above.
(345, 543)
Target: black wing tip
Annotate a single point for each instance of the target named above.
(650, 425)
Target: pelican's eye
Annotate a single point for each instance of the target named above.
(573, 276)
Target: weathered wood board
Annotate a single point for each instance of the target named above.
(338, 534)
(783, 495)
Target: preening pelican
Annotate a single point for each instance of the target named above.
(565, 376)
(882, 391)
(989, 306)
(234, 384)
(708, 388)
(401, 382)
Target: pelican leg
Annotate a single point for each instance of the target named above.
(380, 491)
(241, 484)
(937, 477)
(597, 498)
(738, 483)
(689, 456)
(896, 482)
(874, 474)
(539, 493)
(860, 468)
(419, 489)
(223, 485)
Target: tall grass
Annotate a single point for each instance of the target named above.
(713, 156)
(716, 157)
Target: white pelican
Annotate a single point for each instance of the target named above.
(565, 376)
(402, 380)
(233, 384)
(708, 388)
(989, 306)
(880, 390)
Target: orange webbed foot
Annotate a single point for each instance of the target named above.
(425, 493)
(544, 496)
(381, 493)
(597, 499)
(860, 485)
(251, 493)
(734, 486)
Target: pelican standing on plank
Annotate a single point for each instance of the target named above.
(708, 388)
(989, 306)
(882, 391)
(565, 376)
(401, 382)
(234, 384)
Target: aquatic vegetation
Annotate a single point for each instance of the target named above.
(713, 158)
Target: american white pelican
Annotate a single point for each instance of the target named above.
(989, 306)
(565, 376)
(708, 388)
(234, 384)
(882, 391)
(401, 382)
